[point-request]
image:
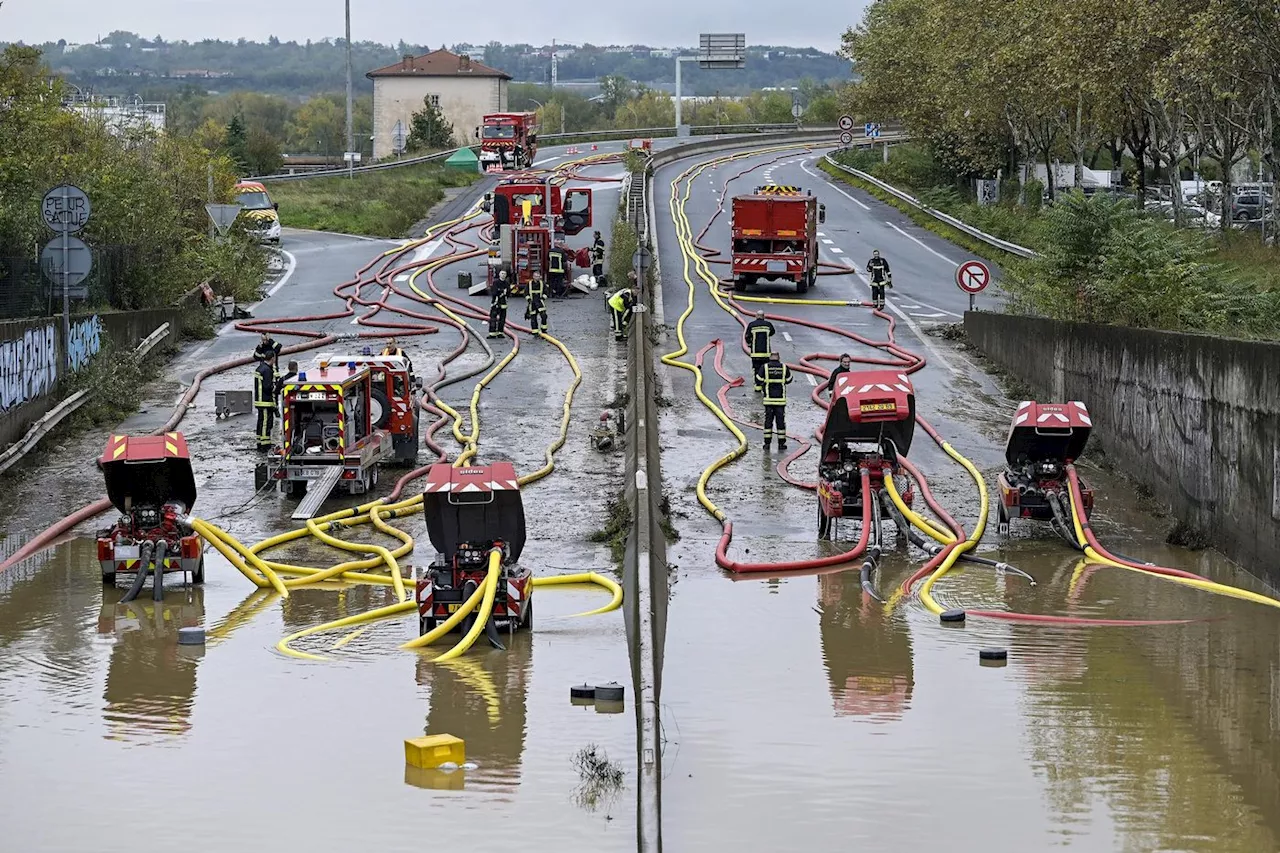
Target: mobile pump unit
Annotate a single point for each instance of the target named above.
(1043, 439)
(775, 237)
(524, 233)
(870, 421)
(508, 141)
(343, 418)
(471, 511)
(149, 481)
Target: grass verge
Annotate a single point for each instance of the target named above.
(616, 527)
(372, 204)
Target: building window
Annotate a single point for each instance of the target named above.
(434, 100)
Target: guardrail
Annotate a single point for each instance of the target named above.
(959, 225)
(588, 135)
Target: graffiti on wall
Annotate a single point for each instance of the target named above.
(85, 342)
(28, 366)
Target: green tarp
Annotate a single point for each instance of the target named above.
(463, 158)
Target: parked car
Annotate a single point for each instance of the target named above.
(1250, 205)
(1193, 214)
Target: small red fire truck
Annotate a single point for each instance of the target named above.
(524, 236)
(508, 141)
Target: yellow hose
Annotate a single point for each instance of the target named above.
(455, 618)
(587, 578)
(1207, 586)
(969, 544)
(358, 619)
(914, 517)
(490, 587)
(208, 530)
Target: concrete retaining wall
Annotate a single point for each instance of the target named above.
(31, 358)
(1197, 419)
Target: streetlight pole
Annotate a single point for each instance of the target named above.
(350, 130)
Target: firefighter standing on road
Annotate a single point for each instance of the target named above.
(264, 401)
(597, 257)
(267, 348)
(556, 271)
(774, 376)
(498, 305)
(759, 340)
(878, 268)
(535, 310)
(620, 305)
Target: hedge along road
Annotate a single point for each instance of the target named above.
(102, 687)
(800, 696)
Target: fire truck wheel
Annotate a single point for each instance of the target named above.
(108, 578)
(528, 615)
(426, 624)
(197, 577)
(381, 408)
(373, 476)
(802, 285)
(740, 283)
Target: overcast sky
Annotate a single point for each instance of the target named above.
(662, 22)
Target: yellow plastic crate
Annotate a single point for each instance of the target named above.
(433, 750)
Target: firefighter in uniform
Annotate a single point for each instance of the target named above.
(535, 310)
(878, 268)
(620, 305)
(597, 257)
(267, 348)
(556, 271)
(264, 400)
(498, 305)
(759, 339)
(775, 376)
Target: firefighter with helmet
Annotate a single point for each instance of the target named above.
(498, 305)
(556, 270)
(620, 305)
(597, 257)
(265, 387)
(878, 269)
(759, 340)
(535, 310)
(775, 377)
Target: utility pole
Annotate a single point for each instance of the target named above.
(209, 168)
(350, 130)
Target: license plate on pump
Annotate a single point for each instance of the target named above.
(879, 407)
(776, 266)
(313, 473)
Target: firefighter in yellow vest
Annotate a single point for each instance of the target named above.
(535, 310)
(556, 271)
(620, 305)
(758, 337)
(264, 401)
(775, 376)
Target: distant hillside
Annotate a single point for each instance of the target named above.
(125, 64)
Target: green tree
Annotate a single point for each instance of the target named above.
(236, 142)
(428, 129)
(262, 151)
(318, 126)
(651, 109)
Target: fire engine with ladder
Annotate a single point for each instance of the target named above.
(343, 418)
(525, 234)
(471, 511)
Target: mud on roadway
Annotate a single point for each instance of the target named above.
(800, 696)
(102, 690)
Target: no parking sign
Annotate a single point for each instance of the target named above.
(973, 277)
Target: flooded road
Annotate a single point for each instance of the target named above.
(801, 712)
(235, 744)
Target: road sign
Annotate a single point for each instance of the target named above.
(846, 138)
(722, 50)
(65, 209)
(67, 260)
(398, 138)
(797, 110)
(351, 156)
(973, 277)
(871, 130)
(846, 122)
(223, 215)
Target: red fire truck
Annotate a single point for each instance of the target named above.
(508, 141)
(775, 236)
(523, 234)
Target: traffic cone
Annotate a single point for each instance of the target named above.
(595, 147)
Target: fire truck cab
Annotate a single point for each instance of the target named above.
(508, 141)
(149, 481)
(328, 431)
(523, 235)
(775, 236)
(469, 512)
(870, 420)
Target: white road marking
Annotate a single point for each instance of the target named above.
(837, 189)
(288, 273)
(922, 244)
(836, 251)
(828, 242)
(786, 336)
(821, 234)
(812, 381)
(930, 316)
(933, 307)
(924, 339)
